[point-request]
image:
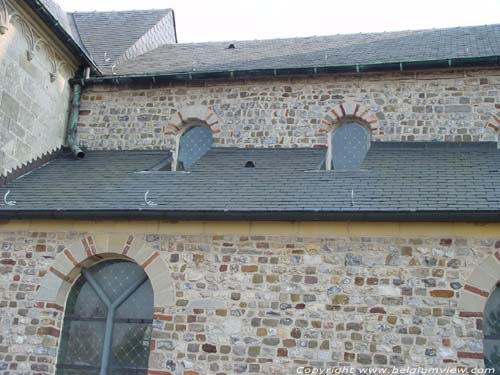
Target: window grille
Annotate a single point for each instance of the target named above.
(108, 322)
(350, 143)
(194, 143)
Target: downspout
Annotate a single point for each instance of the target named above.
(73, 122)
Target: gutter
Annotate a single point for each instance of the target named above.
(466, 62)
(39, 8)
(73, 123)
(155, 214)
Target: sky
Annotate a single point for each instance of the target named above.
(216, 20)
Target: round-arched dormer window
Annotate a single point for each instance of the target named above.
(193, 144)
(349, 145)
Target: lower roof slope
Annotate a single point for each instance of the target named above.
(398, 181)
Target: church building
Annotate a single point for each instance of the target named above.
(278, 206)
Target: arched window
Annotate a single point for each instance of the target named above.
(193, 144)
(108, 321)
(349, 144)
(491, 330)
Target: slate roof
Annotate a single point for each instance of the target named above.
(102, 38)
(107, 35)
(320, 51)
(58, 13)
(398, 181)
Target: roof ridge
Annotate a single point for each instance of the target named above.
(122, 11)
(374, 33)
(455, 47)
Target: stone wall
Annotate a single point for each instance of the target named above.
(34, 90)
(423, 106)
(257, 303)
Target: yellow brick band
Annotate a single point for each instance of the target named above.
(306, 229)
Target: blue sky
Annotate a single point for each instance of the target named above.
(203, 20)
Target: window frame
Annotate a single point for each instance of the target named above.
(347, 120)
(188, 126)
(109, 319)
(490, 308)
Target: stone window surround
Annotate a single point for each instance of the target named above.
(89, 250)
(189, 117)
(92, 249)
(494, 123)
(343, 113)
(112, 303)
(480, 284)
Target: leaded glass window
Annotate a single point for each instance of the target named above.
(491, 330)
(108, 321)
(194, 143)
(350, 143)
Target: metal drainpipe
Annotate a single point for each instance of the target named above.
(73, 121)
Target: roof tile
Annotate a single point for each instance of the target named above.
(335, 50)
(393, 177)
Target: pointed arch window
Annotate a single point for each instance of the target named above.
(108, 322)
(349, 145)
(491, 331)
(193, 144)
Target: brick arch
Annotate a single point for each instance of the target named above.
(350, 111)
(473, 298)
(343, 112)
(188, 115)
(479, 285)
(494, 124)
(91, 249)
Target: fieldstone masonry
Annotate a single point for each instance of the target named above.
(262, 304)
(455, 106)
